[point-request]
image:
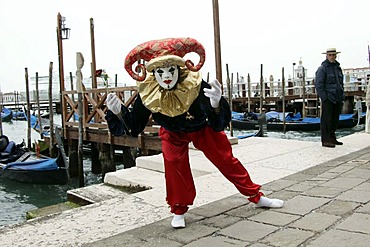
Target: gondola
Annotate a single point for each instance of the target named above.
(293, 123)
(36, 170)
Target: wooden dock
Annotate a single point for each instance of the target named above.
(95, 130)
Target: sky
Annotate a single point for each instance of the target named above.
(271, 33)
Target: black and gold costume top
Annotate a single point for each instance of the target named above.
(195, 112)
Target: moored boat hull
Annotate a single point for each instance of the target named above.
(58, 177)
(308, 124)
(38, 171)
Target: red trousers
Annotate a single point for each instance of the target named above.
(217, 148)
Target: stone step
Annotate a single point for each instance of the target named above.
(97, 193)
(49, 210)
(135, 177)
(149, 170)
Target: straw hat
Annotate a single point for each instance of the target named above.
(331, 51)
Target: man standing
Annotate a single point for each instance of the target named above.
(329, 86)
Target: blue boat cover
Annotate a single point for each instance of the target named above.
(5, 112)
(342, 117)
(246, 136)
(276, 115)
(311, 120)
(34, 165)
(19, 114)
(10, 148)
(271, 115)
(346, 116)
(237, 115)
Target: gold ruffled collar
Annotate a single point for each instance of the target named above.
(170, 102)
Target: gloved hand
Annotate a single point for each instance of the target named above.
(114, 103)
(214, 93)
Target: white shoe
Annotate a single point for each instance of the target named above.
(178, 221)
(270, 203)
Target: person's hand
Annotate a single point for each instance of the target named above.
(114, 103)
(214, 93)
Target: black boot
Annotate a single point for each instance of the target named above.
(328, 144)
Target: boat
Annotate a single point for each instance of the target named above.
(6, 114)
(43, 114)
(19, 114)
(259, 133)
(10, 151)
(30, 168)
(34, 122)
(35, 168)
(292, 123)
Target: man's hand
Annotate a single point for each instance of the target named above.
(114, 103)
(214, 93)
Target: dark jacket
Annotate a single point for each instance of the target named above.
(329, 82)
(134, 121)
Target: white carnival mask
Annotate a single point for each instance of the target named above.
(167, 76)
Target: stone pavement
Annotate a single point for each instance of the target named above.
(325, 205)
(326, 190)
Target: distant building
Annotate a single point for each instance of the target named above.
(12, 96)
(356, 78)
(43, 86)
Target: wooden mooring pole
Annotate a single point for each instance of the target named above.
(61, 68)
(216, 29)
(261, 87)
(249, 92)
(283, 98)
(28, 110)
(51, 114)
(229, 96)
(303, 93)
(38, 105)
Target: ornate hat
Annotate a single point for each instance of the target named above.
(331, 51)
(161, 52)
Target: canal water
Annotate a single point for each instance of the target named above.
(17, 198)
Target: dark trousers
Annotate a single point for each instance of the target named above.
(329, 120)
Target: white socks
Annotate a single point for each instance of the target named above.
(178, 221)
(270, 203)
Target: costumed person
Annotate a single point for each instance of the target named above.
(188, 109)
